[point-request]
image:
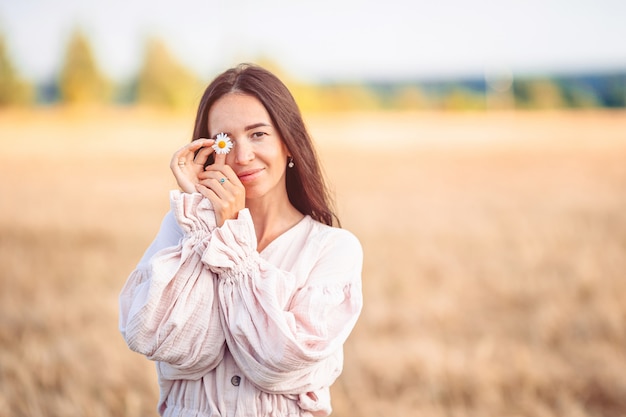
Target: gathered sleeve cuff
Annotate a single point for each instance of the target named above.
(231, 245)
(285, 339)
(168, 306)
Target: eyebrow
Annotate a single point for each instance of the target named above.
(249, 127)
(255, 125)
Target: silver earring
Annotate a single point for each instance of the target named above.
(290, 164)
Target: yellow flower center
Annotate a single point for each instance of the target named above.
(221, 144)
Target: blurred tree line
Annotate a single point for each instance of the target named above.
(161, 81)
(164, 82)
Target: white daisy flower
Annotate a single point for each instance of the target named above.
(222, 144)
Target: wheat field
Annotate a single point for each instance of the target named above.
(494, 273)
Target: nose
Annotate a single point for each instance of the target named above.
(243, 151)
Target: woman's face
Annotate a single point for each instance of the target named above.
(259, 156)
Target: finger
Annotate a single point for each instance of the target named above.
(199, 143)
(219, 172)
(178, 161)
(187, 152)
(203, 155)
(195, 145)
(215, 179)
(216, 192)
(181, 173)
(207, 192)
(220, 159)
(216, 202)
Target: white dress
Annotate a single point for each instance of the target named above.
(235, 332)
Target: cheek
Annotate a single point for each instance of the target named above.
(279, 160)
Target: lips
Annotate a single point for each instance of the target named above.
(249, 175)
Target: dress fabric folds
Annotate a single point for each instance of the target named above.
(235, 332)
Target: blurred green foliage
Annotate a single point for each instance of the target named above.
(80, 80)
(13, 90)
(542, 94)
(162, 81)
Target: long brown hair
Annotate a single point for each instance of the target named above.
(306, 188)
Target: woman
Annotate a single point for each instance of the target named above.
(246, 296)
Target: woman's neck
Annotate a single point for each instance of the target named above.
(271, 219)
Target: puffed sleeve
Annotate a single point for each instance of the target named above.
(168, 306)
(287, 338)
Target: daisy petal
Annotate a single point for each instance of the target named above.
(222, 144)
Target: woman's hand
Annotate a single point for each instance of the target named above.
(188, 163)
(218, 182)
(222, 187)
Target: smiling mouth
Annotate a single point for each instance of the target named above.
(249, 175)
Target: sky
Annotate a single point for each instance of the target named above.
(317, 40)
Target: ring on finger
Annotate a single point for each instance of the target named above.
(222, 180)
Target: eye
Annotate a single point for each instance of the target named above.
(258, 135)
